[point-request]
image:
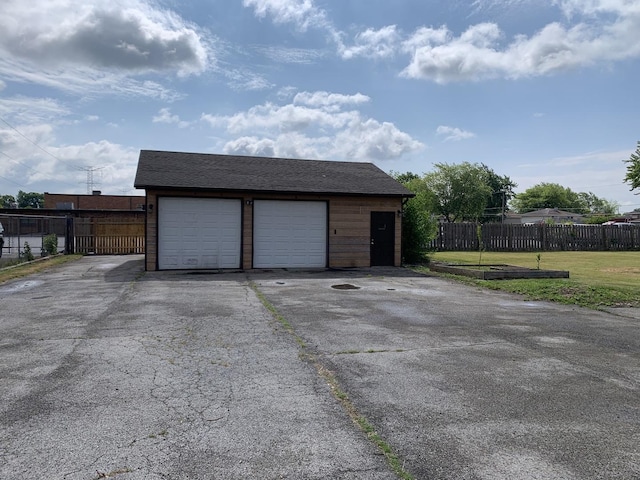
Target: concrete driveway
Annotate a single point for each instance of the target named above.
(106, 371)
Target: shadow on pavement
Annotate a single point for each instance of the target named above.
(226, 275)
(125, 272)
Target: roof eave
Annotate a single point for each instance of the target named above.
(272, 192)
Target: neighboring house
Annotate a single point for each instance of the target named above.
(632, 217)
(207, 211)
(551, 215)
(512, 218)
(95, 201)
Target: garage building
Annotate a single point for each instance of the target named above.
(208, 211)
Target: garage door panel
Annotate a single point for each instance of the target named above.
(198, 233)
(289, 234)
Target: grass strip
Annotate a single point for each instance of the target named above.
(276, 315)
(28, 268)
(362, 422)
(338, 393)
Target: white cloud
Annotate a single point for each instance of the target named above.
(165, 116)
(38, 164)
(21, 109)
(611, 34)
(453, 133)
(302, 13)
(328, 100)
(315, 125)
(95, 46)
(254, 146)
(382, 43)
(271, 117)
(302, 56)
(243, 80)
(595, 31)
(286, 92)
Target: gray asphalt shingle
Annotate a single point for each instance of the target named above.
(202, 171)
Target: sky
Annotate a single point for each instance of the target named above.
(538, 90)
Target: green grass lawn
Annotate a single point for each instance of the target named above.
(597, 279)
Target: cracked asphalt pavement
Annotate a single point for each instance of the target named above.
(110, 372)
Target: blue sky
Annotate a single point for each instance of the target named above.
(539, 90)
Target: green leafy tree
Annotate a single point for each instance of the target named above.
(404, 178)
(549, 195)
(8, 201)
(30, 200)
(418, 223)
(460, 191)
(501, 194)
(633, 169)
(599, 205)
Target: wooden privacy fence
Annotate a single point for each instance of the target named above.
(538, 237)
(104, 236)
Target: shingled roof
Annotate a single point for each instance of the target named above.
(201, 171)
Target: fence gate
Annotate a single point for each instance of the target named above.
(105, 236)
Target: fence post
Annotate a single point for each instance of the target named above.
(68, 236)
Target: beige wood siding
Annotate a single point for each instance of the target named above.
(349, 226)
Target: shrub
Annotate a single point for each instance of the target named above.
(50, 244)
(26, 254)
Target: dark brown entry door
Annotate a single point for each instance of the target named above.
(383, 234)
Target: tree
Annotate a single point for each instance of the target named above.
(8, 201)
(633, 169)
(501, 194)
(460, 192)
(30, 200)
(404, 178)
(418, 223)
(549, 195)
(598, 205)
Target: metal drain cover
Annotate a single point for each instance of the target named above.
(345, 286)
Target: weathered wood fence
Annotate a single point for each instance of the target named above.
(539, 237)
(104, 236)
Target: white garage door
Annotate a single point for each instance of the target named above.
(289, 234)
(198, 233)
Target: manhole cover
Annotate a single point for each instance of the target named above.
(345, 286)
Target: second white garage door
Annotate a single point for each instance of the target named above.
(196, 233)
(289, 234)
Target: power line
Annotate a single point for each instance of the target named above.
(29, 169)
(15, 183)
(36, 145)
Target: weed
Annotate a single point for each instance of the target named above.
(26, 254)
(283, 321)
(480, 242)
(363, 423)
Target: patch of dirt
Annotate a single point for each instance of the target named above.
(635, 270)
